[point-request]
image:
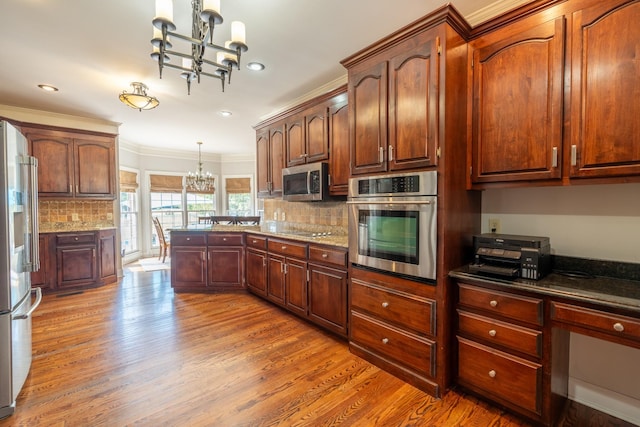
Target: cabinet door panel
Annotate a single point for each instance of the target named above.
(328, 297)
(317, 134)
(257, 272)
(76, 266)
(262, 164)
(55, 165)
(517, 105)
(275, 283)
(605, 87)
(368, 119)
(296, 150)
(276, 157)
(296, 286)
(108, 255)
(225, 266)
(188, 267)
(413, 108)
(95, 172)
(339, 148)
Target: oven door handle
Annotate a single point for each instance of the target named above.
(402, 202)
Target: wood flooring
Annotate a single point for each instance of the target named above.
(137, 354)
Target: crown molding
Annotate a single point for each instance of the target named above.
(491, 11)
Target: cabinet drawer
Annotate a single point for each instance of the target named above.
(188, 239)
(408, 349)
(408, 311)
(511, 306)
(75, 239)
(331, 256)
(499, 374)
(287, 248)
(496, 332)
(258, 242)
(601, 321)
(228, 239)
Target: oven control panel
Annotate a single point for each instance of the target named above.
(404, 184)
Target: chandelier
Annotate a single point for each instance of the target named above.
(138, 98)
(199, 181)
(205, 15)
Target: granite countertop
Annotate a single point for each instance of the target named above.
(337, 238)
(70, 227)
(612, 292)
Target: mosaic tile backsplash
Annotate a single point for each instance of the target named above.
(307, 214)
(65, 214)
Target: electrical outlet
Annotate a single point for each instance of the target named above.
(494, 225)
(75, 217)
(275, 216)
(284, 216)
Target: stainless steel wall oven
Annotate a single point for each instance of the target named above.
(392, 223)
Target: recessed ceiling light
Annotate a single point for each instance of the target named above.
(48, 88)
(255, 66)
(225, 113)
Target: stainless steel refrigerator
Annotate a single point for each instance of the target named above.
(18, 258)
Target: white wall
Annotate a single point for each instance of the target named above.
(586, 221)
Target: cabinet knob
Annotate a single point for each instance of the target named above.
(493, 303)
(188, 238)
(325, 255)
(254, 241)
(492, 373)
(284, 248)
(619, 327)
(385, 340)
(75, 238)
(224, 239)
(385, 304)
(492, 333)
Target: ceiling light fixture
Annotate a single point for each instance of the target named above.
(199, 181)
(138, 98)
(205, 15)
(255, 66)
(225, 113)
(48, 88)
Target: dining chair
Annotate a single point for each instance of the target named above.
(227, 220)
(205, 220)
(247, 220)
(162, 239)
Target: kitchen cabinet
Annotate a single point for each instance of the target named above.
(394, 106)
(188, 261)
(256, 264)
(516, 96)
(73, 165)
(605, 106)
(392, 323)
(76, 259)
(339, 171)
(225, 261)
(43, 277)
(327, 290)
(542, 110)
(107, 251)
(288, 270)
(307, 138)
(270, 152)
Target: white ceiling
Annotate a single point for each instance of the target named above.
(92, 49)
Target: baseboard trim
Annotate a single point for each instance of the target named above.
(604, 400)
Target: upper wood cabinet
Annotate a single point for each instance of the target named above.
(307, 138)
(555, 95)
(339, 171)
(394, 106)
(270, 160)
(517, 95)
(605, 91)
(73, 165)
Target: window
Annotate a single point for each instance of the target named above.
(199, 204)
(165, 199)
(129, 212)
(239, 200)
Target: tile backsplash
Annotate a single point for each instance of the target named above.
(333, 214)
(55, 213)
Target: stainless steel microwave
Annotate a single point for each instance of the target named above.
(306, 183)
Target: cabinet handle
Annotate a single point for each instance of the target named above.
(381, 154)
(391, 153)
(70, 188)
(254, 241)
(554, 159)
(284, 248)
(574, 155)
(492, 373)
(493, 303)
(385, 304)
(264, 262)
(492, 333)
(325, 255)
(385, 340)
(286, 268)
(619, 327)
(77, 189)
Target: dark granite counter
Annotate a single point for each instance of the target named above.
(585, 286)
(70, 227)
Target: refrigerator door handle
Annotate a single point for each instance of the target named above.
(26, 315)
(33, 263)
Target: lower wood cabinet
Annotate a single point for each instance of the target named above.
(74, 260)
(225, 261)
(328, 297)
(256, 264)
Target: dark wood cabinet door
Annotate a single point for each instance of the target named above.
(339, 148)
(107, 242)
(317, 134)
(256, 272)
(262, 163)
(296, 286)
(368, 119)
(328, 298)
(517, 103)
(225, 267)
(76, 266)
(295, 139)
(605, 91)
(55, 164)
(275, 282)
(189, 267)
(41, 278)
(94, 168)
(413, 107)
(276, 158)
